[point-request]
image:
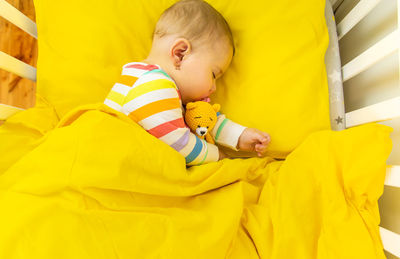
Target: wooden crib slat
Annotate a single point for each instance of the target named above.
(355, 15)
(393, 176)
(390, 241)
(382, 111)
(16, 66)
(17, 18)
(374, 54)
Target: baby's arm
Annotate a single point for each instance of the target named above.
(254, 140)
(155, 105)
(238, 137)
(195, 150)
(227, 132)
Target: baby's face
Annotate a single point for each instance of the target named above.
(200, 70)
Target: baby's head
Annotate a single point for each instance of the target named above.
(193, 43)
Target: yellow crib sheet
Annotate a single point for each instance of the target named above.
(277, 80)
(99, 186)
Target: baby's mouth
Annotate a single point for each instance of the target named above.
(206, 99)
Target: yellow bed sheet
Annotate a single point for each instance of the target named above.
(277, 80)
(99, 186)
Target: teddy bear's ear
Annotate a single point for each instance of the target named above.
(190, 106)
(216, 107)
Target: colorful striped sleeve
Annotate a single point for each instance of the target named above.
(227, 132)
(153, 102)
(115, 99)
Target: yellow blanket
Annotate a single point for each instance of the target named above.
(99, 186)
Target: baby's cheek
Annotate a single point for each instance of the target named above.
(202, 87)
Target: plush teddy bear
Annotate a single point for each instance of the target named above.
(201, 118)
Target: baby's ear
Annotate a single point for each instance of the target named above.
(216, 107)
(190, 106)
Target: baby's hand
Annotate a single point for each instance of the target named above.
(222, 155)
(253, 140)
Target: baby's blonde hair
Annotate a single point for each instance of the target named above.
(195, 20)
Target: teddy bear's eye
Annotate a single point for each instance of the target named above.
(207, 127)
(198, 126)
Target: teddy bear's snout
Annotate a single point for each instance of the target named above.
(201, 131)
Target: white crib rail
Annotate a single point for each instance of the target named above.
(393, 177)
(355, 15)
(8, 62)
(7, 111)
(385, 110)
(17, 18)
(382, 111)
(17, 67)
(391, 241)
(371, 56)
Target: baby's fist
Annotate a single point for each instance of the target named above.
(254, 140)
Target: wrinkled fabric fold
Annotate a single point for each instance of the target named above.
(99, 186)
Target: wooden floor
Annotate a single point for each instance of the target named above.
(15, 90)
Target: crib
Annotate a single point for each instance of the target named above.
(369, 41)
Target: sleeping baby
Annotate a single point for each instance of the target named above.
(192, 47)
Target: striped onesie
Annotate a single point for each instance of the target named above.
(147, 95)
